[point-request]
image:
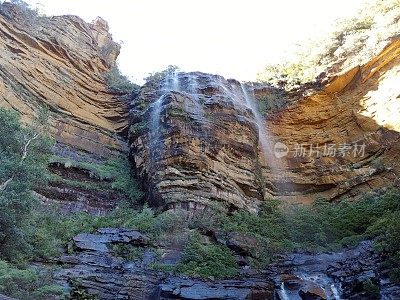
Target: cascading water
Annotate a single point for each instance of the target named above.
(262, 133)
(283, 295)
(171, 83)
(155, 134)
(322, 281)
(193, 87)
(306, 283)
(335, 292)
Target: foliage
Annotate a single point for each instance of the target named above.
(25, 283)
(272, 101)
(78, 292)
(116, 172)
(318, 227)
(371, 289)
(31, 15)
(158, 76)
(207, 260)
(23, 165)
(118, 83)
(387, 230)
(128, 251)
(352, 39)
(49, 231)
(138, 128)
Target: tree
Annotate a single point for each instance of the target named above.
(23, 166)
(118, 83)
(157, 76)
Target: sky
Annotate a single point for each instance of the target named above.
(233, 38)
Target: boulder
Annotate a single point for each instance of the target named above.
(98, 242)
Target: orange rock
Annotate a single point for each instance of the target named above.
(60, 62)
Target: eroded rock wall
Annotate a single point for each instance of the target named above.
(358, 106)
(60, 62)
(195, 139)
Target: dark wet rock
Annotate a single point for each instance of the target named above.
(292, 282)
(86, 241)
(102, 274)
(242, 244)
(312, 295)
(171, 257)
(346, 273)
(108, 277)
(98, 242)
(121, 235)
(239, 243)
(149, 257)
(250, 288)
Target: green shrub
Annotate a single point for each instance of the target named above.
(371, 289)
(25, 283)
(78, 292)
(137, 128)
(155, 77)
(128, 251)
(207, 260)
(354, 38)
(318, 227)
(116, 172)
(24, 153)
(119, 83)
(48, 231)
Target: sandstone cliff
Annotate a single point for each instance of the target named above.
(358, 106)
(196, 138)
(59, 63)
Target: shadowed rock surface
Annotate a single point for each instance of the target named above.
(102, 273)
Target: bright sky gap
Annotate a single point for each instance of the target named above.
(232, 38)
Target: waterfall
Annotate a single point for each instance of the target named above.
(335, 292)
(325, 283)
(155, 133)
(193, 87)
(172, 82)
(283, 295)
(262, 133)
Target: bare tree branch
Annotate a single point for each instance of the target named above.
(4, 185)
(26, 146)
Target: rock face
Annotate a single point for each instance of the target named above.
(198, 138)
(98, 242)
(360, 106)
(342, 275)
(102, 273)
(60, 62)
(194, 140)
